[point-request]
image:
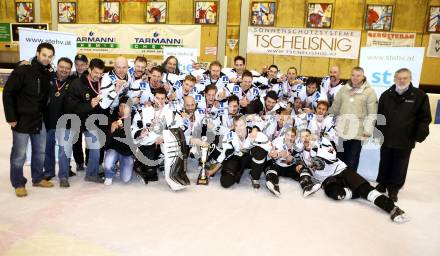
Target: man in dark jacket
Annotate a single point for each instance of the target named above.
(407, 114)
(24, 99)
(262, 106)
(59, 86)
(82, 100)
(81, 65)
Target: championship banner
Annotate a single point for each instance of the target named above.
(390, 39)
(64, 43)
(380, 64)
(434, 46)
(304, 42)
(132, 39)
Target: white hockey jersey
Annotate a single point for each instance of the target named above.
(110, 98)
(279, 145)
(156, 120)
(291, 92)
(235, 89)
(322, 160)
(310, 101)
(207, 80)
(319, 128)
(329, 91)
(232, 142)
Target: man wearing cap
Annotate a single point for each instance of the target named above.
(81, 65)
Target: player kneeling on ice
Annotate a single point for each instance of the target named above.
(158, 130)
(341, 183)
(242, 149)
(287, 162)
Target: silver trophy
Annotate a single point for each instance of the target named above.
(203, 179)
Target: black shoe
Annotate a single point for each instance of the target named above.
(151, 175)
(95, 179)
(140, 174)
(393, 195)
(256, 184)
(71, 174)
(80, 167)
(381, 188)
(48, 178)
(64, 183)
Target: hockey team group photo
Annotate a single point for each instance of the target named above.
(218, 125)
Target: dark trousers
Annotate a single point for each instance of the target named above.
(287, 171)
(77, 148)
(393, 167)
(151, 152)
(233, 168)
(334, 187)
(350, 155)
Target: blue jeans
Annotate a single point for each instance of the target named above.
(125, 164)
(49, 159)
(18, 157)
(66, 138)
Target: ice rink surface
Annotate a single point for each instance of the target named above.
(134, 219)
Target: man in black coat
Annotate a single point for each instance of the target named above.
(81, 65)
(82, 100)
(58, 89)
(407, 114)
(24, 99)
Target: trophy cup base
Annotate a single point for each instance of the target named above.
(202, 181)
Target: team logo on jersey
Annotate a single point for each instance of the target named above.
(186, 123)
(143, 85)
(177, 84)
(225, 79)
(230, 134)
(236, 88)
(222, 104)
(198, 98)
(201, 111)
(87, 96)
(255, 91)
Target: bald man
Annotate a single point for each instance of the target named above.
(115, 84)
(192, 120)
(331, 84)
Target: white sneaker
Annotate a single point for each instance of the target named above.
(108, 181)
